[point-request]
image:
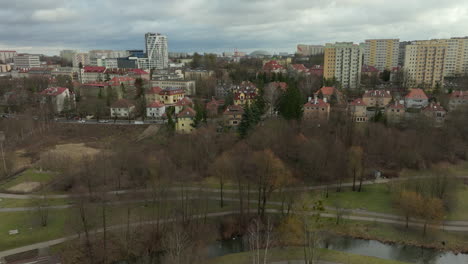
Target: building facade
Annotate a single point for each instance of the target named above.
(343, 61)
(157, 51)
(187, 85)
(308, 50)
(26, 61)
(122, 108)
(402, 52)
(316, 110)
(185, 120)
(377, 98)
(425, 63)
(381, 53)
(416, 98)
(67, 54)
(6, 56)
(59, 97)
(82, 58)
(458, 99)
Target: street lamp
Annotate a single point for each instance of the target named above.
(2, 139)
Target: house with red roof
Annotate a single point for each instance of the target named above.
(171, 95)
(185, 120)
(458, 99)
(435, 112)
(316, 110)
(155, 110)
(92, 74)
(59, 97)
(152, 94)
(273, 67)
(122, 108)
(232, 116)
(358, 110)
(416, 98)
(377, 98)
(316, 70)
(138, 73)
(212, 107)
(369, 70)
(332, 95)
(181, 104)
(395, 112)
(298, 68)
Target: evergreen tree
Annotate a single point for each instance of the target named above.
(290, 104)
(139, 88)
(245, 123)
(200, 116)
(110, 95)
(123, 90)
(170, 121)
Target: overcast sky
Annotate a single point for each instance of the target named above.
(47, 26)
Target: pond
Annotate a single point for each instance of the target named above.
(410, 254)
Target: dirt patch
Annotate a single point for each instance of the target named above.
(25, 187)
(74, 151)
(149, 132)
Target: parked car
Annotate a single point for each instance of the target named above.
(138, 123)
(82, 121)
(103, 121)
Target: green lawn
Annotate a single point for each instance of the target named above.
(297, 253)
(12, 203)
(30, 175)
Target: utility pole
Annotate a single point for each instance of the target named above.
(2, 139)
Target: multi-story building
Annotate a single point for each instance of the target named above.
(395, 112)
(157, 50)
(67, 54)
(188, 86)
(416, 98)
(308, 50)
(436, 113)
(456, 57)
(402, 52)
(197, 74)
(233, 115)
(316, 109)
(6, 56)
(155, 110)
(5, 67)
(185, 120)
(68, 71)
(343, 61)
(82, 58)
(358, 110)
(58, 97)
(105, 62)
(122, 108)
(425, 62)
(381, 53)
(111, 54)
(377, 98)
(92, 74)
(26, 61)
(171, 95)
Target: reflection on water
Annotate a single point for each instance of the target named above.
(410, 254)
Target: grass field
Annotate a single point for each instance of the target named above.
(296, 253)
(30, 175)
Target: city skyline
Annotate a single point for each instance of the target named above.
(199, 25)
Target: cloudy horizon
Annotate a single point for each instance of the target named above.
(48, 26)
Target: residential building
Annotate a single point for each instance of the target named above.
(6, 56)
(185, 120)
(395, 112)
(5, 67)
(138, 73)
(181, 104)
(67, 54)
(370, 71)
(136, 53)
(308, 50)
(331, 94)
(316, 70)
(26, 61)
(212, 107)
(343, 62)
(377, 98)
(198, 74)
(425, 63)
(92, 74)
(436, 113)
(188, 86)
(458, 99)
(157, 51)
(122, 108)
(381, 53)
(105, 62)
(111, 54)
(233, 115)
(171, 95)
(298, 68)
(82, 58)
(402, 52)
(127, 63)
(60, 98)
(456, 58)
(416, 98)
(316, 110)
(93, 89)
(67, 71)
(273, 67)
(152, 94)
(155, 110)
(40, 72)
(358, 110)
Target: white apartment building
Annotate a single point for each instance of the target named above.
(105, 62)
(343, 61)
(308, 50)
(6, 56)
(80, 57)
(157, 51)
(456, 57)
(187, 85)
(381, 53)
(26, 61)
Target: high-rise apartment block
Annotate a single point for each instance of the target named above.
(402, 52)
(456, 57)
(425, 62)
(343, 61)
(381, 53)
(26, 61)
(67, 54)
(6, 56)
(157, 51)
(82, 58)
(308, 50)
